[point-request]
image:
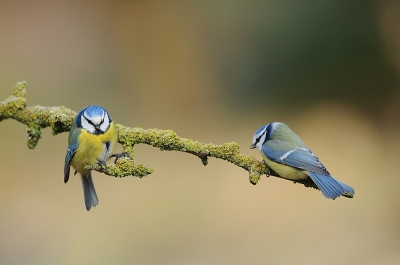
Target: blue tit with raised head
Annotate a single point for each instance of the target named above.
(286, 154)
(91, 141)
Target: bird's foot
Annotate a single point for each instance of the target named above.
(102, 164)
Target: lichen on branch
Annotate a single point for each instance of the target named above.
(59, 119)
(167, 140)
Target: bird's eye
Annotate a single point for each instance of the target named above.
(90, 122)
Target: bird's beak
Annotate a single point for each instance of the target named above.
(97, 127)
(252, 146)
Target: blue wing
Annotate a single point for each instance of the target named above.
(304, 159)
(301, 158)
(68, 157)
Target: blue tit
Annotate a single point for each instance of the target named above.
(286, 154)
(92, 140)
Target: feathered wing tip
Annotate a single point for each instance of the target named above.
(330, 187)
(89, 192)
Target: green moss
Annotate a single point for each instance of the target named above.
(167, 140)
(19, 89)
(254, 177)
(61, 119)
(14, 103)
(124, 167)
(34, 135)
(142, 171)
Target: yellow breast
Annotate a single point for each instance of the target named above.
(93, 148)
(285, 171)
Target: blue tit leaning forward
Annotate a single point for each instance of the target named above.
(286, 154)
(91, 141)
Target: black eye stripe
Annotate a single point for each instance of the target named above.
(89, 121)
(258, 139)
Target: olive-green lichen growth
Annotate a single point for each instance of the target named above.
(14, 103)
(167, 140)
(34, 135)
(123, 167)
(59, 119)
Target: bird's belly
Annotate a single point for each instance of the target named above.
(90, 151)
(285, 171)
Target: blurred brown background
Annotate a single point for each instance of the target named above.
(214, 71)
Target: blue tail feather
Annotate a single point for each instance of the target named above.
(330, 187)
(89, 192)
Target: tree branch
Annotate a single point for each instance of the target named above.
(59, 119)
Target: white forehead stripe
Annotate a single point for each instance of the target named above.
(274, 125)
(96, 120)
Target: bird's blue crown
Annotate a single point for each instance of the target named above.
(92, 111)
(267, 128)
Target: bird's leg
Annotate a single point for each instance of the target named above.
(269, 170)
(102, 163)
(118, 156)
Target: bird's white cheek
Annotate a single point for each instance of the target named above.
(261, 142)
(259, 146)
(106, 123)
(87, 126)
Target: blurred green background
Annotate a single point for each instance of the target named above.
(214, 71)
